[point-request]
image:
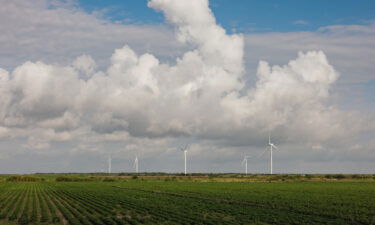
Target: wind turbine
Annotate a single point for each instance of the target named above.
(185, 151)
(271, 147)
(136, 164)
(109, 163)
(245, 162)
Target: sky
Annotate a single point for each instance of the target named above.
(250, 16)
(81, 80)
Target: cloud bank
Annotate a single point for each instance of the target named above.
(202, 94)
(66, 103)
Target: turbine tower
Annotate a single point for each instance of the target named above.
(245, 162)
(109, 163)
(136, 164)
(271, 145)
(184, 149)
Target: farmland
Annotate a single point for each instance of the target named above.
(135, 200)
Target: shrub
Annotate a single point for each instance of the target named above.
(24, 179)
(328, 176)
(73, 179)
(339, 176)
(108, 179)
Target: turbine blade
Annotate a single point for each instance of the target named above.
(263, 152)
(135, 162)
(184, 148)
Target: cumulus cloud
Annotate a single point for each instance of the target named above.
(201, 95)
(164, 88)
(350, 48)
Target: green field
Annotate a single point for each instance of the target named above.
(157, 201)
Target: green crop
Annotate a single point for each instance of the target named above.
(187, 202)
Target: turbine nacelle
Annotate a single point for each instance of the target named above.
(245, 159)
(184, 149)
(272, 145)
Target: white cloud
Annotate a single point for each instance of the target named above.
(149, 101)
(350, 48)
(198, 96)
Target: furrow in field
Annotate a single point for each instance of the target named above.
(14, 209)
(45, 214)
(274, 208)
(56, 215)
(9, 202)
(76, 209)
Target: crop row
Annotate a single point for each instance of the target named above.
(346, 202)
(176, 203)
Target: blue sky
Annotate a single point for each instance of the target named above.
(251, 16)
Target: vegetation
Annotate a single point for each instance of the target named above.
(24, 179)
(130, 199)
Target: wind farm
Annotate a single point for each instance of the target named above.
(134, 197)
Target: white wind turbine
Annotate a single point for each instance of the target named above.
(109, 163)
(271, 147)
(184, 149)
(136, 164)
(244, 161)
